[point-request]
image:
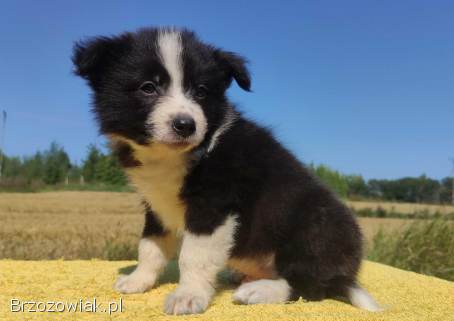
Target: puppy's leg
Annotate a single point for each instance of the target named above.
(263, 291)
(156, 247)
(201, 258)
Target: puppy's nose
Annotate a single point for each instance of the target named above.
(183, 125)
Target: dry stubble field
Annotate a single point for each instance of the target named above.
(105, 225)
(68, 224)
(408, 208)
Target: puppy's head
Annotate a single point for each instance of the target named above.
(158, 85)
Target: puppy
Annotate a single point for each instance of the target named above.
(214, 184)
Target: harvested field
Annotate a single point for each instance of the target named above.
(81, 225)
(409, 208)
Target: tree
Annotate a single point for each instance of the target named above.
(94, 155)
(74, 173)
(375, 187)
(108, 171)
(56, 164)
(446, 190)
(357, 186)
(408, 189)
(33, 167)
(102, 168)
(12, 167)
(332, 178)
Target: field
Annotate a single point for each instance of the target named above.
(69, 225)
(106, 225)
(408, 208)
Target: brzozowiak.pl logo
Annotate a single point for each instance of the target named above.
(82, 305)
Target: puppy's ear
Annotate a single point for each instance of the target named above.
(235, 67)
(92, 57)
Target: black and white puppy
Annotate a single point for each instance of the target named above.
(215, 185)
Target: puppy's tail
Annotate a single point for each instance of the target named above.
(360, 298)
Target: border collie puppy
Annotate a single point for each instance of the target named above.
(216, 187)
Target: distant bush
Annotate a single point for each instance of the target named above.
(99, 187)
(20, 185)
(383, 213)
(425, 247)
(332, 178)
(119, 250)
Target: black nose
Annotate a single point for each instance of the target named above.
(183, 125)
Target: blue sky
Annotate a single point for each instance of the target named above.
(363, 86)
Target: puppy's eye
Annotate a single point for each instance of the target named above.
(201, 91)
(148, 88)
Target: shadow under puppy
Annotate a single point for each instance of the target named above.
(213, 182)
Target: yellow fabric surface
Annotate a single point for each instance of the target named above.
(405, 295)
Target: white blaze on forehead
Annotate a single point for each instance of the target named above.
(170, 48)
(175, 100)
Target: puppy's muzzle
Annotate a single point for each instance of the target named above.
(183, 125)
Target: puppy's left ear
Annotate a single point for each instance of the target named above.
(235, 67)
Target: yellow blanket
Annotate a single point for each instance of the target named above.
(63, 285)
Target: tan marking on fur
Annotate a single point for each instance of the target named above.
(168, 243)
(255, 267)
(159, 180)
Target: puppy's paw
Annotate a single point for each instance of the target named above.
(136, 282)
(186, 301)
(262, 291)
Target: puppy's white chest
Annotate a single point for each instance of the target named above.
(159, 181)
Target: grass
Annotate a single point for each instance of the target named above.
(37, 188)
(382, 213)
(107, 225)
(370, 226)
(82, 225)
(87, 187)
(406, 208)
(70, 225)
(425, 247)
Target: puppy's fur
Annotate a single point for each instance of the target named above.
(213, 182)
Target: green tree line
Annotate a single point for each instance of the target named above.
(53, 167)
(420, 189)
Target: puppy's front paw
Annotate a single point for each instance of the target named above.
(136, 282)
(185, 301)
